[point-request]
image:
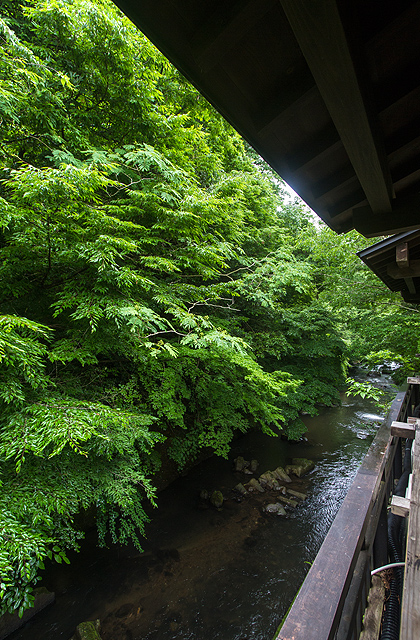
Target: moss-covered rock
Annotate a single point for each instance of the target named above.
(88, 631)
(254, 486)
(216, 499)
(269, 480)
(281, 475)
(300, 466)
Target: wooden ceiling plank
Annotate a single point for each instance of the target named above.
(405, 216)
(286, 97)
(222, 39)
(318, 29)
(315, 149)
(343, 177)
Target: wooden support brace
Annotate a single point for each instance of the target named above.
(402, 256)
(400, 506)
(403, 429)
(410, 610)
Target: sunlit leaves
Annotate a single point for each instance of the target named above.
(151, 284)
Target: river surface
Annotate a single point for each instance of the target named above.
(228, 574)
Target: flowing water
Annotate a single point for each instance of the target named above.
(228, 574)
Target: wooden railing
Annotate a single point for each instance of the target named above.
(332, 600)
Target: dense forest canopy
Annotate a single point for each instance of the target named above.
(159, 289)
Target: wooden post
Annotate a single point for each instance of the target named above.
(402, 257)
(410, 613)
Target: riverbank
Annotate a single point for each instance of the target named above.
(229, 574)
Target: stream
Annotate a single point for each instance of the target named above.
(228, 574)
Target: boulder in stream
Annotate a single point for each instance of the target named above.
(281, 475)
(241, 463)
(269, 480)
(275, 509)
(241, 489)
(254, 465)
(288, 501)
(300, 466)
(254, 486)
(216, 499)
(87, 631)
(297, 494)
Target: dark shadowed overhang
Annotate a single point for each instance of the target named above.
(396, 261)
(327, 92)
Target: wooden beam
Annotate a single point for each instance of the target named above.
(402, 255)
(319, 31)
(403, 430)
(405, 216)
(397, 272)
(400, 506)
(410, 611)
(410, 285)
(413, 380)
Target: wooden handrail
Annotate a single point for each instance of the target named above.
(316, 612)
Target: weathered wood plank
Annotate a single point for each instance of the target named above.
(402, 255)
(373, 615)
(410, 285)
(413, 380)
(400, 506)
(403, 429)
(410, 613)
(319, 31)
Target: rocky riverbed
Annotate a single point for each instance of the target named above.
(226, 572)
(234, 521)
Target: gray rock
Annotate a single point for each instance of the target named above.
(240, 463)
(288, 501)
(254, 465)
(276, 509)
(241, 489)
(253, 485)
(269, 480)
(9, 622)
(88, 631)
(307, 465)
(281, 489)
(216, 499)
(297, 494)
(281, 475)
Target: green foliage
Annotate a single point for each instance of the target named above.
(156, 285)
(363, 389)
